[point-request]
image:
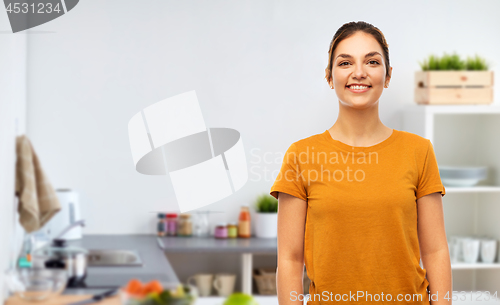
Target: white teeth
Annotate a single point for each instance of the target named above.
(358, 87)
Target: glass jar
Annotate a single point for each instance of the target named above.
(221, 231)
(160, 227)
(185, 227)
(232, 230)
(201, 227)
(171, 224)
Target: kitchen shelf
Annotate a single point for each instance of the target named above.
(454, 109)
(473, 189)
(466, 266)
(466, 135)
(193, 244)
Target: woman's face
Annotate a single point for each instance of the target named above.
(359, 60)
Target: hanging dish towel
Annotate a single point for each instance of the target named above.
(37, 199)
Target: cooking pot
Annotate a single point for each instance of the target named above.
(60, 256)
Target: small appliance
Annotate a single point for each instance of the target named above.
(69, 214)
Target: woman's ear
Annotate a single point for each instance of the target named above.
(329, 78)
(388, 79)
(330, 82)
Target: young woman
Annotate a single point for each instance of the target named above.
(361, 203)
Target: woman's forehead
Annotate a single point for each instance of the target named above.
(358, 45)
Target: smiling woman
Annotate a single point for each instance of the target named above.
(355, 225)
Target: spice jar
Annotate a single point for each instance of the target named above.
(244, 222)
(232, 230)
(160, 227)
(171, 224)
(221, 230)
(185, 227)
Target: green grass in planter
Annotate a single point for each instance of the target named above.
(266, 203)
(453, 62)
(477, 63)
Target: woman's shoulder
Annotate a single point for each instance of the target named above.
(413, 141)
(413, 137)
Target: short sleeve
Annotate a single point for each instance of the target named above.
(289, 180)
(429, 179)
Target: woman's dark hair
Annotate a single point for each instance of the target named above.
(347, 30)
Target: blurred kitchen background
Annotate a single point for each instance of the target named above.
(72, 85)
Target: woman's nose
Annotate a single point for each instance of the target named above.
(360, 71)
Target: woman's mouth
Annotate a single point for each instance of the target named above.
(358, 88)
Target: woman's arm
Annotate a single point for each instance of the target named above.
(434, 248)
(291, 228)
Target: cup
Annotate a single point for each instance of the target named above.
(459, 247)
(488, 250)
(470, 248)
(224, 283)
(455, 247)
(203, 281)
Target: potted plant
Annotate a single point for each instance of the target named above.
(451, 80)
(266, 216)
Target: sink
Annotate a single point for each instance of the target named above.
(111, 258)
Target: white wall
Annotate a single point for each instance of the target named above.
(257, 66)
(12, 122)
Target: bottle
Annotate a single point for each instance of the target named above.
(232, 230)
(171, 224)
(244, 223)
(185, 227)
(160, 227)
(24, 260)
(221, 231)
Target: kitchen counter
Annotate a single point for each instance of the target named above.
(174, 244)
(152, 250)
(155, 264)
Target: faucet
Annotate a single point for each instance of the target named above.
(71, 226)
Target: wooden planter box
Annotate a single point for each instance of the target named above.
(453, 87)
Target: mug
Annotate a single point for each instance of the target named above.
(488, 250)
(458, 244)
(471, 250)
(224, 283)
(203, 281)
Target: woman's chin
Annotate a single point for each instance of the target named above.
(359, 103)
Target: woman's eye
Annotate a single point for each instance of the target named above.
(370, 62)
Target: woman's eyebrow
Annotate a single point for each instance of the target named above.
(367, 55)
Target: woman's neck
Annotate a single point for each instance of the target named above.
(359, 127)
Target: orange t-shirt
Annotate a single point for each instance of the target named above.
(361, 224)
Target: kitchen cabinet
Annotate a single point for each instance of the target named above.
(466, 135)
